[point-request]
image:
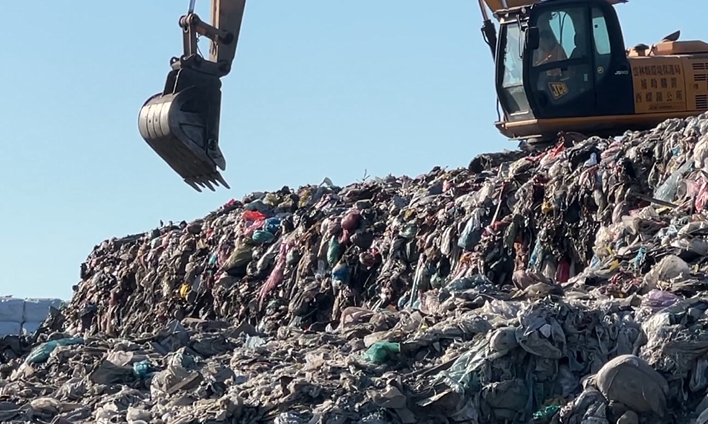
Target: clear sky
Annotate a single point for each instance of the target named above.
(319, 88)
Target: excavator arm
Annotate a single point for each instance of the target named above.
(181, 124)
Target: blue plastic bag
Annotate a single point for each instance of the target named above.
(143, 369)
(341, 273)
(272, 225)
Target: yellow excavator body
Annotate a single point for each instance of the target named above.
(590, 83)
(670, 83)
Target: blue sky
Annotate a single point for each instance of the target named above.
(319, 88)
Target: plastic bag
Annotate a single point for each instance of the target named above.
(272, 225)
(546, 413)
(253, 216)
(536, 257)
(350, 222)
(667, 269)
(659, 299)
(667, 190)
(292, 257)
(628, 379)
(46, 405)
(240, 257)
(252, 226)
(700, 153)
(462, 373)
(702, 197)
(604, 238)
(467, 283)
(409, 231)
(380, 352)
(472, 233)
(41, 353)
(290, 418)
(271, 199)
(143, 369)
(334, 251)
(262, 237)
(341, 273)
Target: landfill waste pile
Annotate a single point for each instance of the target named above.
(24, 316)
(558, 287)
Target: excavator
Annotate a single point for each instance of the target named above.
(560, 66)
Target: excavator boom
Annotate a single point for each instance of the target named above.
(181, 124)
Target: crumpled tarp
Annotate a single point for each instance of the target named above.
(564, 286)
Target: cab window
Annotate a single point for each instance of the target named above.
(512, 57)
(512, 93)
(562, 36)
(601, 39)
(600, 33)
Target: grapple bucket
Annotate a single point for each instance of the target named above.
(181, 124)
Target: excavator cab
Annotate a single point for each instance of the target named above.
(559, 63)
(181, 124)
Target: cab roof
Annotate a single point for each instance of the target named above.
(497, 5)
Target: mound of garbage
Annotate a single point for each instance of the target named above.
(556, 287)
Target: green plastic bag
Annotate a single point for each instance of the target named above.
(262, 237)
(334, 251)
(41, 353)
(379, 352)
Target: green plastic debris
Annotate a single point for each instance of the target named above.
(262, 237)
(546, 412)
(379, 352)
(334, 251)
(41, 353)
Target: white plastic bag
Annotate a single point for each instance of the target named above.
(667, 269)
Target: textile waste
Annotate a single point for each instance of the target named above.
(557, 287)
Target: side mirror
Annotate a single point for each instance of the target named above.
(532, 38)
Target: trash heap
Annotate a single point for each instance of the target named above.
(557, 287)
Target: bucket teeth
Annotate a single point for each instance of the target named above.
(192, 184)
(207, 181)
(222, 180)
